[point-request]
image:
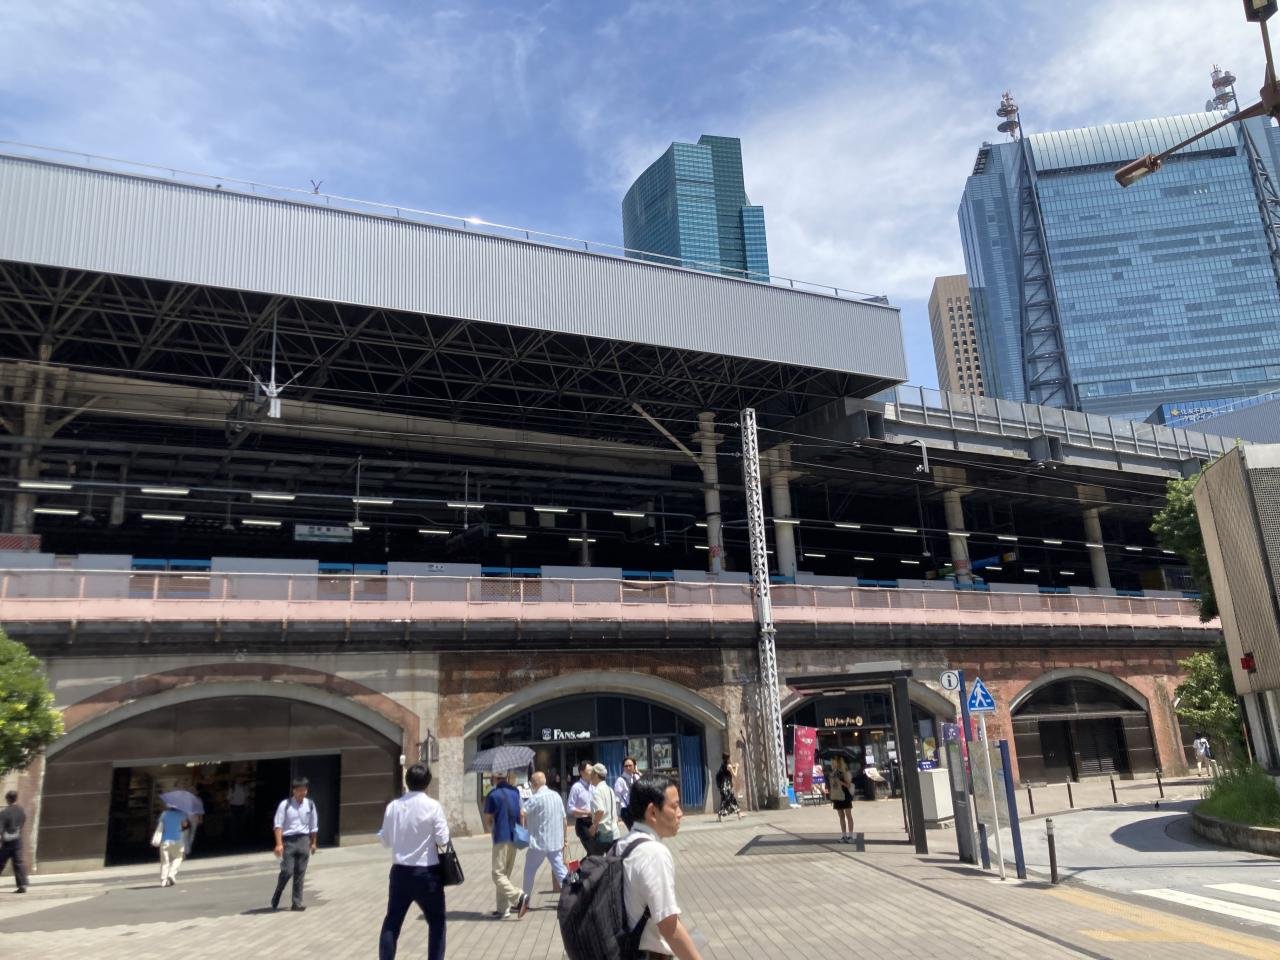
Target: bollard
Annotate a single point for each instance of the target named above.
(1070, 799)
(982, 845)
(1053, 851)
(1031, 801)
(1114, 798)
(1159, 783)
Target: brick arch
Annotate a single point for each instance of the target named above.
(202, 681)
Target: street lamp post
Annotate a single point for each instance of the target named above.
(1258, 11)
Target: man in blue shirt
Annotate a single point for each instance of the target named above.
(172, 823)
(501, 814)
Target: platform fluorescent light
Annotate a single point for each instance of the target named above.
(433, 532)
(997, 569)
(849, 526)
(513, 536)
(1006, 538)
(960, 534)
(357, 525)
(589, 540)
(905, 530)
(166, 491)
(1169, 553)
(275, 497)
(1134, 549)
(1030, 569)
(372, 501)
(699, 546)
(42, 485)
(57, 511)
(458, 505)
(1093, 546)
(550, 509)
(1052, 543)
(253, 522)
(816, 556)
(865, 559)
(787, 520)
(175, 517)
(1067, 573)
(910, 563)
(702, 526)
(635, 514)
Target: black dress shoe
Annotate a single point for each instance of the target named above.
(297, 908)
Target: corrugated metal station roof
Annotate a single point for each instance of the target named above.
(68, 216)
(1121, 142)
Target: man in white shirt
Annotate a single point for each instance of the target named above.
(297, 825)
(622, 788)
(544, 818)
(580, 804)
(604, 811)
(649, 872)
(414, 828)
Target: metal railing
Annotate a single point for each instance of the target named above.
(30, 151)
(93, 593)
(1009, 418)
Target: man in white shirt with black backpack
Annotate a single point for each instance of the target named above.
(649, 872)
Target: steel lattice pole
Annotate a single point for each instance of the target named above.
(775, 750)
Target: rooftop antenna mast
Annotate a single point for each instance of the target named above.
(1044, 355)
(1264, 187)
(1224, 92)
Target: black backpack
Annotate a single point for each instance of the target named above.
(592, 914)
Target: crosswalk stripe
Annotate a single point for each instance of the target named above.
(1248, 890)
(1240, 911)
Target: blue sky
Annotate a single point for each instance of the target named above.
(859, 120)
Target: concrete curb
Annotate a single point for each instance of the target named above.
(1240, 836)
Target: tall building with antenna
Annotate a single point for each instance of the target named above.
(1113, 301)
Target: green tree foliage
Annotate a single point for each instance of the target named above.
(28, 719)
(1177, 528)
(1207, 701)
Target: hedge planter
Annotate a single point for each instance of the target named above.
(1241, 836)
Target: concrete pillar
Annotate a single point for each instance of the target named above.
(784, 534)
(708, 440)
(584, 553)
(1097, 555)
(951, 501)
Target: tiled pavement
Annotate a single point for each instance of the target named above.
(772, 886)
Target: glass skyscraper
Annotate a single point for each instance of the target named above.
(1166, 292)
(690, 209)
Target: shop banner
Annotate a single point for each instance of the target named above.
(806, 746)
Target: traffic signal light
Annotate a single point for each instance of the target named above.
(1259, 10)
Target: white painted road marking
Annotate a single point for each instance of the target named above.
(1239, 911)
(1248, 890)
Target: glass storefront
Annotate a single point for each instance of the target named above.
(863, 722)
(607, 729)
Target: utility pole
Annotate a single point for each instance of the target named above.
(775, 750)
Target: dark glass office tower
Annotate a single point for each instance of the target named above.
(690, 209)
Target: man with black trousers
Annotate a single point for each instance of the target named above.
(296, 826)
(12, 819)
(580, 805)
(414, 828)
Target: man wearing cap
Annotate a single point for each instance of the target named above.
(604, 811)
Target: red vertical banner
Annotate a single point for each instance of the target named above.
(806, 744)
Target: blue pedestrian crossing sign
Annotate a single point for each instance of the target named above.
(980, 698)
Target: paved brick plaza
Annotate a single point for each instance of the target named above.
(772, 886)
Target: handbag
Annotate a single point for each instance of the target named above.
(450, 867)
(158, 835)
(520, 836)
